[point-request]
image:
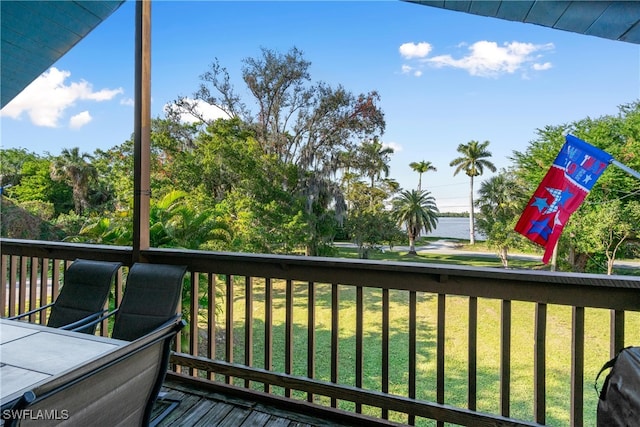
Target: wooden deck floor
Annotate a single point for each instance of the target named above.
(201, 407)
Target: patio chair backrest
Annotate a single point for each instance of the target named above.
(151, 297)
(84, 292)
(117, 389)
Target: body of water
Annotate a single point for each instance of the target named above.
(454, 228)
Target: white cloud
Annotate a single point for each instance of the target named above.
(482, 58)
(204, 109)
(127, 101)
(415, 50)
(488, 59)
(542, 67)
(47, 98)
(79, 120)
(406, 69)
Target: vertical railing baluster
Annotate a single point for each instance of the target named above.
(440, 341)
(229, 323)
(472, 394)
(56, 276)
(413, 327)
(119, 287)
(22, 293)
(3, 284)
(288, 339)
(177, 342)
(385, 347)
(194, 310)
(617, 332)
(44, 287)
(505, 359)
(268, 329)
(540, 364)
(335, 334)
(33, 287)
(577, 367)
(13, 279)
(117, 297)
(311, 335)
(211, 320)
(359, 340)
(248, 324)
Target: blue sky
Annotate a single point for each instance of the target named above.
(444, 77)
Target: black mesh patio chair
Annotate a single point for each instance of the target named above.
(117, 389)
(82, 296)
(151, 297)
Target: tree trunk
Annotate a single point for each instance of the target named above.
(472, 231)
(363, 253)
(78, 199)
(610, 266)
(412, 245)
(611, 256)
(580, 264)
(504, 256)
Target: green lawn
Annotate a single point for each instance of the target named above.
(558, 346)
(432, 257)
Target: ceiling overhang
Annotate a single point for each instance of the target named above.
(615, 20)
(35, 34)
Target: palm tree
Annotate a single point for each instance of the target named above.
(374, 159)
(422, 167)
(499, 205)
(472, 162)
(417, 211)
(176, 223)
(76, 170)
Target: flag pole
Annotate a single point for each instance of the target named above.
(625, 168)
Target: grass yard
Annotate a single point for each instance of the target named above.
(433, 257)
(488, 374)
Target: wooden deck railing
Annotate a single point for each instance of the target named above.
(378, 338)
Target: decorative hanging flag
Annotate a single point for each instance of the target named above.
(562, 190)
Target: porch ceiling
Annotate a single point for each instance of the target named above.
(35, 34)
(616, 20)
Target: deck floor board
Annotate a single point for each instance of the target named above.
(206, 408)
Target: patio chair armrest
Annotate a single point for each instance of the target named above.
(83, 322)
(30, 312)
(95, 321)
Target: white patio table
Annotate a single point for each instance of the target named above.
(31, 354)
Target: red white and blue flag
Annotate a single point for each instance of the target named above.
(562, 190)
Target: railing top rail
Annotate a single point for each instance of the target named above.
(65, 250)
(285, 262)
(584, 290)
